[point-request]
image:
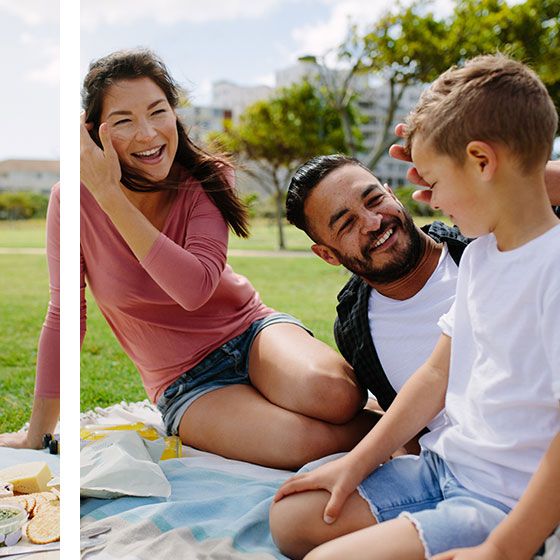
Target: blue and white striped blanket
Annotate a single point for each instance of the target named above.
(218, 509)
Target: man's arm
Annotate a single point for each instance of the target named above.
(552, 180)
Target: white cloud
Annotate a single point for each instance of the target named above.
(166, 12)
(326, 35)
(47, 71)
(49, 74)
(32, 12)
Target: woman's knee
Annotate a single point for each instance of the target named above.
(340, 397)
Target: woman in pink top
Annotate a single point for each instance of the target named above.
(230, 375)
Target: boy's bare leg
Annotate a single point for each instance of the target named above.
(297, 526)
(390, 540)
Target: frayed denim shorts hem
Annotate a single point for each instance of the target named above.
(423, 490)
(225, 366)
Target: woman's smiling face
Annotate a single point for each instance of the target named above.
(142, 125)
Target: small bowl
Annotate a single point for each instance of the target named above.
(10, 528)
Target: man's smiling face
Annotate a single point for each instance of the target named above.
(360, 224)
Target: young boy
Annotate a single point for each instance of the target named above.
(480, 136)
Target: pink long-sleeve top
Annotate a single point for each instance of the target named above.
(181, 302)
(47, 381)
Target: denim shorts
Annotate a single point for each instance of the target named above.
(423, 489)
(227, 365)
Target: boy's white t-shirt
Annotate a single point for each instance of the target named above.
(502, 404)
(405, 332)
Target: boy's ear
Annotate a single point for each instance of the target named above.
(483, 157)
(323, 252)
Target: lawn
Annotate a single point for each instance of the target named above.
(23, 303)
(22, 233)
(304, 287)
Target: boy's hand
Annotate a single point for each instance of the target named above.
(397, 151)
(486, 551)
(337, 477)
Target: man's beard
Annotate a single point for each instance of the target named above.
(402, 260)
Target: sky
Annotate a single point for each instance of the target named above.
(235, 40)
(201, 41)
(29, 96)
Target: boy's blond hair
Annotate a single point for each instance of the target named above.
(492, 98)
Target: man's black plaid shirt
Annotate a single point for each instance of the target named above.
(352, 331)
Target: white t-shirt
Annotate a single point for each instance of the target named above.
(502, 403)
(405, 332)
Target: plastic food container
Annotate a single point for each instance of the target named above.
(12, 518)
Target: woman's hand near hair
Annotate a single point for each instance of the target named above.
(100, 170)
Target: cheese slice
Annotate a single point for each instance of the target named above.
(28, 477)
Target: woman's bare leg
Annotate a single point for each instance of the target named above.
(302, 374)
(239, 423)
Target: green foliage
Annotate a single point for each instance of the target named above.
(404, 194)
(410, 45)
(286, 130)
(281, 133)
(251, 201)
(528, 31)
(22, 205)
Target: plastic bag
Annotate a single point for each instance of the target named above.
(121, 464)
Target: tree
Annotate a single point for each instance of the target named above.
(528, 31)
(409, 46)
(281, 133)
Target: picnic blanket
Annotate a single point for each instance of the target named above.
(218, 508)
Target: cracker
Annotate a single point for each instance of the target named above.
(48, 508)
(42, 498)
(44, 528)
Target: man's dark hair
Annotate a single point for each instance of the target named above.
(306, 178)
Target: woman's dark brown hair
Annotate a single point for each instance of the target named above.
(209, 169)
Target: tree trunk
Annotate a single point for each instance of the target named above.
(279, 213)
(387, 138)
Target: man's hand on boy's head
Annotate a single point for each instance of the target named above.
(397, 151)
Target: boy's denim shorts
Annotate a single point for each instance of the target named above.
(423, 489)
(227, 365)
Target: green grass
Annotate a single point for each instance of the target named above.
(304, 287)
(264, 237)
(23, 303)
(22, 233)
